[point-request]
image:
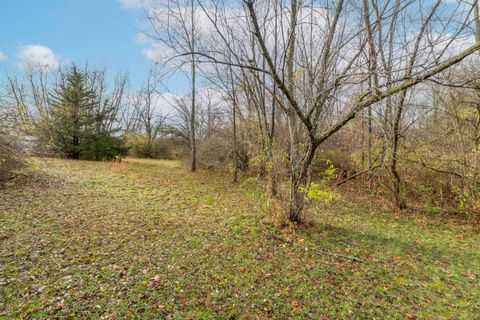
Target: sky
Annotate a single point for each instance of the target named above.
(104, 33)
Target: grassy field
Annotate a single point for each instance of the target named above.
(150, 240)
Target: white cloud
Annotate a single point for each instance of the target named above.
(132, 4)
(3, 56)
(158, 52)
(142, 38)
(38, 55)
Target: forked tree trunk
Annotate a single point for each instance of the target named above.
(298, 183)
(297, 199)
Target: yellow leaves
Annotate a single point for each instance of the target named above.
(463, 303)
(437, 284)
(400, 280)
(321, 192)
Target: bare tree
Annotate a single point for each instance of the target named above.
(192, 113)
(173, 25)
(328, 79)
(149, 118)
(323, 63)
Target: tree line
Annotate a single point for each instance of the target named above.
(307, 72)
(384, 91)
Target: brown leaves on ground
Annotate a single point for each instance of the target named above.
(147, 239)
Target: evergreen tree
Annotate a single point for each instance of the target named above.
(79, 121)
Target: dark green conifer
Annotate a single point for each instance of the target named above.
(78, 121)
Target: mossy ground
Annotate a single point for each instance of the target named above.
(150, 240)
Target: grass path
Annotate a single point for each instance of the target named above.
(149, 240)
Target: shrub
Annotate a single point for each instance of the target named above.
(321, 191)
(158, 149)
(12, 157)
(103, 147)
(468, 201)
(217, 151)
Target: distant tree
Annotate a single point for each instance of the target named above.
(150, 121)
(12, 156)
(79, 118)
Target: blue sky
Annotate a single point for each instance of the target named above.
(102, 32)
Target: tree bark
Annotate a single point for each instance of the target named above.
(298, 183)
(235, 152)
(192, 115)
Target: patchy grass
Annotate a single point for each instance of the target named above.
(147, 239)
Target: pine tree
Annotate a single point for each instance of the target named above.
(78, 121)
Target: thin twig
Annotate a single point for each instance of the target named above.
(356, 175)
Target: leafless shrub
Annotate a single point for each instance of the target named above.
(12, 157)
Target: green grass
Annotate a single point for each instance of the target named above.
(149, 239)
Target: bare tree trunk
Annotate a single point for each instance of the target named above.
(273, 162)
(298, 184)
(372, 62)
(298, 172)
(369, 147)
(273, 170)
(235, 152)
(477, 21)
(192, 115)
(475, 171)
(396, 181)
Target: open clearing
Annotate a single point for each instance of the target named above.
(147, 239)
